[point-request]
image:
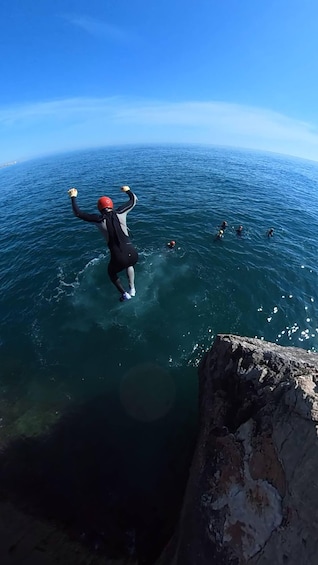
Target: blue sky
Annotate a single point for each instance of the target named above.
(226, 72)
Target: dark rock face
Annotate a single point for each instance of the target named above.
(253, 488)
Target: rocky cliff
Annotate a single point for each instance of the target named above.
(252, 492)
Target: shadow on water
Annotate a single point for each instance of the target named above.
(112, 482)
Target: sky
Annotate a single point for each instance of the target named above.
(84, 74)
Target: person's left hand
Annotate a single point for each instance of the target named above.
(72, 192)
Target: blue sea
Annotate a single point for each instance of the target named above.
(103, 394)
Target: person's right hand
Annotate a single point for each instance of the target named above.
(72, 192)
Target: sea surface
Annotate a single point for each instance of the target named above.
(125, 374)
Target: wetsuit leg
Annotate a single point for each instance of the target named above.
(123, 257)
(112, 272)
(131, 276)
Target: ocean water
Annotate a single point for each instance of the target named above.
(118, 381)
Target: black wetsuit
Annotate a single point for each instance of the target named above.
(113, 225)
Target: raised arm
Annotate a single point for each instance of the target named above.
(130, 204)
(78, 213)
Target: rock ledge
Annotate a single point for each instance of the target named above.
(252, 492)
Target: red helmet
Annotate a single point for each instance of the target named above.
(171, 243)
(104, 202)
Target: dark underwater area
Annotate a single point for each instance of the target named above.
(95, 475)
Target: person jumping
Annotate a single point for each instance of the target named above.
(113, 225)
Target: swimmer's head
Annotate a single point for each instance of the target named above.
(104, 202)
(171, 243)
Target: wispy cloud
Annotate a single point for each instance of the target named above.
(97, 27)
(80, 122)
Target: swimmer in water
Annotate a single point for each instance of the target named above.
(239, 230)
(270, 232)
(223, 225)
(220, 234)
(171, 244)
